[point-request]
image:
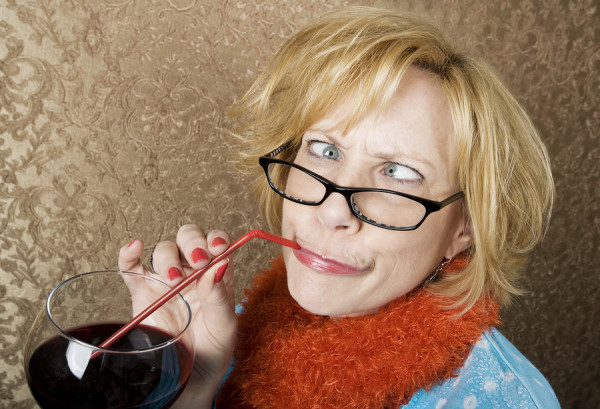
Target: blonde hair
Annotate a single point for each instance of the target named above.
(363, 52)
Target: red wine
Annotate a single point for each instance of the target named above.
(148, 380)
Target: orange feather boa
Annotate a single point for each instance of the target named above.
(287, 357)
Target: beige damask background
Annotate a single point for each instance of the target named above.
(112, 127)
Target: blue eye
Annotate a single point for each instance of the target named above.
(402, 173)
(325, 150)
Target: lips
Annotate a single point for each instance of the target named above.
(326, 265)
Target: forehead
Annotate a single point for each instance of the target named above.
(416, 124)
(418, 112)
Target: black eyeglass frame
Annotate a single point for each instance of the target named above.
(431, 206)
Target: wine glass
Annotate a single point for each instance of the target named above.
(147, 368)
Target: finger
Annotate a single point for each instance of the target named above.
(129, 260)
(192, 243)
(214, 331)
(129, 257)
(217, 302)
(218, 241)
(211, 286)
(167, 263)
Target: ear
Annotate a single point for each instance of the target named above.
(461, 239)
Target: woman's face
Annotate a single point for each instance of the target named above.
(347, 267)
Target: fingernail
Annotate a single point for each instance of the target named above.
(198, 255)
(174, 273)
(220, 273)
(218, 241)
(131, 243)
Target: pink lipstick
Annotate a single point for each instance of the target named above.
(326, 265)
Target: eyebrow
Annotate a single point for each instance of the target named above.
(335, 139)
(395, 158)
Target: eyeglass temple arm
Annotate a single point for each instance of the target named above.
(451, 199)
(277, 151)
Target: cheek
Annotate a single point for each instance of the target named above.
(403, 244)
(286, 221)
(294, 215)
(405, 257)
(409, 256)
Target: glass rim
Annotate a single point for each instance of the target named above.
(70, 338)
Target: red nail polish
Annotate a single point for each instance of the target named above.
(218, 241)
(220, 273)
(198, 255)
(174, 273)
(131, 243)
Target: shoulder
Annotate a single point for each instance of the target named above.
(494, 375)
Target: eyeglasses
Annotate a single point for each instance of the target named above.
(383, 208)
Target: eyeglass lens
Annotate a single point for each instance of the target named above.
(379, 207)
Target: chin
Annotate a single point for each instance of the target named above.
(321, 294)
(314, 303)
(322, 305)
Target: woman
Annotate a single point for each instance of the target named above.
(415, 186)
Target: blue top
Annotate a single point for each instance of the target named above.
(494, 375)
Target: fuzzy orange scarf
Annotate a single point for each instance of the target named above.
(287, 357)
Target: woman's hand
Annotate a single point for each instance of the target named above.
(214, 323)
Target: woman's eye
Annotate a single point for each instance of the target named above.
(402, 173)
(325, 150)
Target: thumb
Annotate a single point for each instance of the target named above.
(129, 257)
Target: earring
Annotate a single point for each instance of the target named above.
(433, 275)
(454, 265)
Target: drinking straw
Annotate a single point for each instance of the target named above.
(256, 233)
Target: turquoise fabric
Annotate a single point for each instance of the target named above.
(495, 375)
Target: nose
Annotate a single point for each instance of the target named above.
(335, 214)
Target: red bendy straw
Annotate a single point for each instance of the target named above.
(257, 233)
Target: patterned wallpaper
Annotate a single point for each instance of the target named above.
(112, 127)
